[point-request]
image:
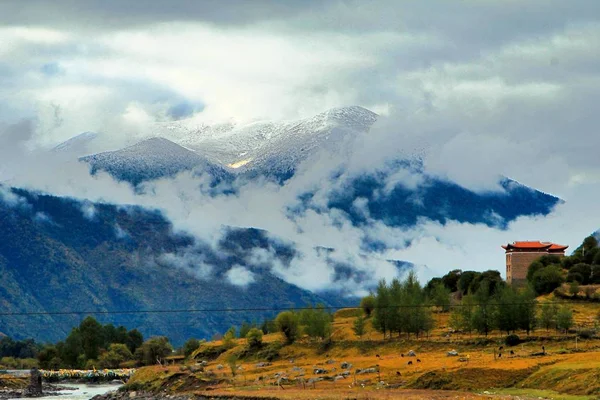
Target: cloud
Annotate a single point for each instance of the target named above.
(11, 199)
(240, 276)
(471, 92)
(189, 262)
(88, 210)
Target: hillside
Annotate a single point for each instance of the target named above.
(58, 254)
(151, 159)
(567, 370)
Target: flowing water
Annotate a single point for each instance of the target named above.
(80, 392)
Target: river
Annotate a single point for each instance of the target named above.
(80, 392)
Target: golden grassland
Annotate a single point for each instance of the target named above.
(570, 369)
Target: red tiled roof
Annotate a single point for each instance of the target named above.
(535, 245)
(557, 247)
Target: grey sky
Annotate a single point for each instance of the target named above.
(481, 87)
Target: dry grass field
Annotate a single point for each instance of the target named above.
(570, 369)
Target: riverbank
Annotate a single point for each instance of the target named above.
(18, 393)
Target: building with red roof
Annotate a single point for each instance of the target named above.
(520, 255)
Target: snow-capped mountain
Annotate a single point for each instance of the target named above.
(151, 159)
(271, 147)
(77, 144)
(275, 149)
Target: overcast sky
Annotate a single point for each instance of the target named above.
(485, 87)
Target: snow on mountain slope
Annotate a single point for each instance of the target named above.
(77, 144)
(151, 159)
(261, 145)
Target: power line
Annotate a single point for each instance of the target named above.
(255, 309)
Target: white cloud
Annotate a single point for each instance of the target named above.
(519, 101)
(240, 276)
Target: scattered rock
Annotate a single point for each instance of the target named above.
(411, 353)
(318, 371)
(346, 365)
(263, 364)
(452, 353)
(366, 371)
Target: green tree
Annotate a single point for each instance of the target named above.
(190, 346)
(548, 312)
(527, 304)
(254, 338)
(466, 278)
(368, 304)
(547, 279)
(585, 270)
(419, 318)
(574, 288)
(244, 329)
(72, 349)
(117, 353)
(507, 310)
(440, 297)
(596, 258)
(491, 277)
(533, 268)
(595, 278)
(269, 326)
(564, 318)
(287, 323)
(462, 317)
(549, 259)
(92, 337)
(397, 316)
(483, 317)
(316, 322)
(229, 337)
(134, 340)
(232, 362)
(359, 326)
(450, 280)
(154, 350)
(381, 313)
(49, 358)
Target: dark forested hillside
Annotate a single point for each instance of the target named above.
(59, 254)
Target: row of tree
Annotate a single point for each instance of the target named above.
(583, 267)
(403, 306)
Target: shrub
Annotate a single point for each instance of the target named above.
(287, 323)
(190, 346)
(587, 334)
(254, 337)
(368, 304)
(512, 340)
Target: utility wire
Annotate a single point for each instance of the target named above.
(257, 309)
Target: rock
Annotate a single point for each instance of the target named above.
(366, 371)
(331, 361)
(220, 367)
(263, 364)
(452, 353)
(297, 369)
(339, 377)
(318, 371)
(411, 353)
(132, 395)
(346, 365)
